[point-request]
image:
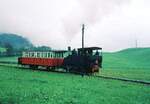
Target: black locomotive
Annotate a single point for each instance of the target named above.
(84, 60)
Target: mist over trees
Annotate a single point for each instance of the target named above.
(16, 41)
(12, 45)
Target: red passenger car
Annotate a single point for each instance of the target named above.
(49, 59)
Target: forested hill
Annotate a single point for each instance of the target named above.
(128, 58)
(15, 41)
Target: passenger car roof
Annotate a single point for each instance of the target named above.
(56, 51)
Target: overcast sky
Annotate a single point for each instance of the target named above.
(110, 24)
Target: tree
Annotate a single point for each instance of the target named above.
(9, 49)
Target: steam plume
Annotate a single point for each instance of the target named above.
(88, 12)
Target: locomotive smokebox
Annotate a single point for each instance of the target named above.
(69, 48)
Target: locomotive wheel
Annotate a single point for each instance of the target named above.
(48, 68)
(68, 68)
(34, 67)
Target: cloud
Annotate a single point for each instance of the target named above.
(111, 24)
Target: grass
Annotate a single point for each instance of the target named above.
(2, 49)
(129, 58)
(136, 74)
(20, 86)
(129, 63)
(9, 59)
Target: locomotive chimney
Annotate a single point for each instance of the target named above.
(83, 36)
(69, 48)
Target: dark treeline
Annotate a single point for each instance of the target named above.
(13, 45)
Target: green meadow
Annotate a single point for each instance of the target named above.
(2, 49)
(20, 86)
(130, 63)
(24, 86)
(132, 58)
(9, 59)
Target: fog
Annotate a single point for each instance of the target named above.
(110, 24)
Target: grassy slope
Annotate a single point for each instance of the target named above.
(34, 87)
(130, 63)
(129, 58)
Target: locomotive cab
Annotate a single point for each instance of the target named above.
(90, 51)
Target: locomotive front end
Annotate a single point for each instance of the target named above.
(96, 60)
(92, 58)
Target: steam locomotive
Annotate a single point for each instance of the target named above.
(84, 60)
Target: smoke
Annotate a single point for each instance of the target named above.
(88, 12)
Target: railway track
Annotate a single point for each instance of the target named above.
(14, 64)
(125, 80)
